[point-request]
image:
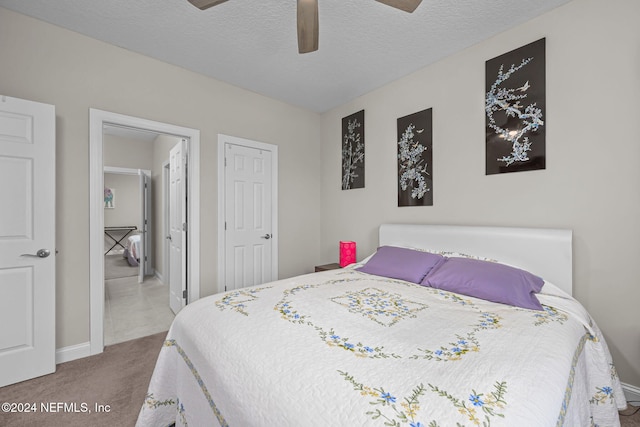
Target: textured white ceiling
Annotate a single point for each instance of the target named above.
(253, 43)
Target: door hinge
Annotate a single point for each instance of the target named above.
(184, 226)
(184, 294)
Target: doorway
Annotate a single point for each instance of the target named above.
(136, 295)
(98, 120)
(127, 223)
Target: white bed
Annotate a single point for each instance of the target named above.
(132, 250)
(546, 252)
(344, 347)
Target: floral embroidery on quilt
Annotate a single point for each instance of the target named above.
(614, 372)
(388, 409)
(181, 414)
(386, 309)
(154, 403)
(453, 297)
(549, 315)
(237, 300)
(603, 395)
(382, 307)
(356, 276)
(392, 411)
(491, 403)
(286, 309)
(463, 344)
(330, 337)
(358, 349)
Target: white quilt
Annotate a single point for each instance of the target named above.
(343, 348)
(132, 251)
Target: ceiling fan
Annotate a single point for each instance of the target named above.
(308, 18)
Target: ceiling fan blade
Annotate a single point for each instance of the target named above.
(406, 5)
(307, 26)
(205, 4)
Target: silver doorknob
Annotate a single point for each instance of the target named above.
(42, 253)
(266, 236)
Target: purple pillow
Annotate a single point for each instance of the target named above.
(401, 263)
(487, 280)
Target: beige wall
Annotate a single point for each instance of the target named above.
(45, 63)
(127, 204)
(592, 180)
(121, 152)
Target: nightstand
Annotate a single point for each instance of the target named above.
(332, 266)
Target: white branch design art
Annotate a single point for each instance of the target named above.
(412, 166)
(508, 101)
(352, 154)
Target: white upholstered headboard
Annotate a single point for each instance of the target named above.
(544, 252)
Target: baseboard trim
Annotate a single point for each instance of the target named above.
(159, 276)
(73, 352)
(631, 393)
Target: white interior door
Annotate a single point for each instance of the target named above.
(27, 240)
(248, 216)
(177, 226)
(146, 234)
(166, 225)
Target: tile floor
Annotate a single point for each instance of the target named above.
(134, 310)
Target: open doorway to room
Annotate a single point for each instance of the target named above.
(143, 293)
(136, 285)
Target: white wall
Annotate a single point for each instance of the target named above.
(45, 63)
(592, 179)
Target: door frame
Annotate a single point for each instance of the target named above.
(222, 140)
(97, 120)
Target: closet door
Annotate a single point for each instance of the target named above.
(248, 216)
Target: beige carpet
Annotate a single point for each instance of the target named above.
(630, 417)
(118, 377)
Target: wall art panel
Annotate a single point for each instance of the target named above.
(515, 110)
(353, 151)
(415, 171)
